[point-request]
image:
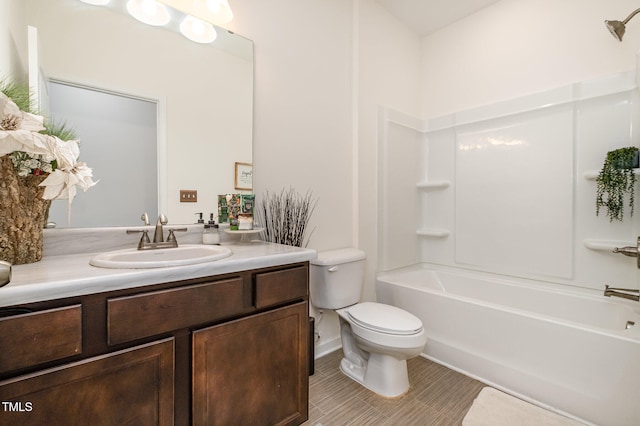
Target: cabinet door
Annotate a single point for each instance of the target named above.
(134, 386)
(253, 370)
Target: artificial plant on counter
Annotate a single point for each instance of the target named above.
(615, 181)
(38, 163)
(285, 217)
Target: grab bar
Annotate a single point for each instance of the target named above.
(625, 293)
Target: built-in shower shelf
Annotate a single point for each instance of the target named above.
(433, 233)
(604, 245)
(593, 174)
(433, 185)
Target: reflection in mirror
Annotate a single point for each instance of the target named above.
(127, 126)
(203, 92)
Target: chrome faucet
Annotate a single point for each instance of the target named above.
(158, 236)
(625, 293)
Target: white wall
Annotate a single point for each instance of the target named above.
(322, 69)
(519, 47)
(303, 121)
(13, 40)
(303, 106)
(388, 58)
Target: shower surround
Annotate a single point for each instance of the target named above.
(508, 191)
(510, 188)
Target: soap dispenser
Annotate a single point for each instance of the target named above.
(211, 234)
(200, 219)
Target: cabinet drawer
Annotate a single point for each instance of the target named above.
(281, 286)
(39, 337)
(143, 315)
(130, 387)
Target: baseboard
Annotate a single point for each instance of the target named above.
(328, 347)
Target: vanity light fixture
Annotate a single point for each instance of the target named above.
(149, 11)
(221, 10)
(196, 17)
(96, 2)
(617, 28)
(197, 30)
(217, 12)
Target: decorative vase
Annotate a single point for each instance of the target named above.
(23, 214)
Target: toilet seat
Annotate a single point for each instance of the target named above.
(385, 319)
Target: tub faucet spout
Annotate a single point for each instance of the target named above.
(625, 293)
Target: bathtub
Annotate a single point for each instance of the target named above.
(566, 350)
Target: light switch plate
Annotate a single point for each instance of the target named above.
(188, 195)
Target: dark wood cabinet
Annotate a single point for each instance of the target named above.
(133, 386)
(34, 338)
(149, 314)
(223, 350)
(252, 370)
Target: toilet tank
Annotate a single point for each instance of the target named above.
(336, 278)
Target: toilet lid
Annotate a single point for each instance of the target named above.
(384, 318)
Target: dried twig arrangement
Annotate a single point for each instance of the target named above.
(285, 217)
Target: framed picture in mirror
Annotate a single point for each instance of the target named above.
(243, 176)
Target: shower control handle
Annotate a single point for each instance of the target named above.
(631, 251)
(627, 251)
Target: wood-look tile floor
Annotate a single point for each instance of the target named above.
(438, 396)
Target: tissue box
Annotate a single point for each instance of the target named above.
(245, 222)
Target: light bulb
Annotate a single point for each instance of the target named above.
(221, 11)
(197, 30)
(149, 11)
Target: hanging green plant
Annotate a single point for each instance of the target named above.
(615, 180)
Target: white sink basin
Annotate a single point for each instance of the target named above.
(186, 254)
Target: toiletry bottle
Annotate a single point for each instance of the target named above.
(200, 219)
(216, 232)
(211, 234)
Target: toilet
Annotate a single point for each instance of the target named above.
(377, 339)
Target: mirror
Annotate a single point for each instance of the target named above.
(203, 94)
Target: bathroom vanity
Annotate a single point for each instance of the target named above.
(224, 342)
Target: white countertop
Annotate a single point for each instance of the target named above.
(68, 275)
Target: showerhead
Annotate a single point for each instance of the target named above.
(616, 28)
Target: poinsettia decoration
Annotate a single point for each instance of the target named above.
(33, 152)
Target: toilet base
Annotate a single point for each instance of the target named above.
(383, 374)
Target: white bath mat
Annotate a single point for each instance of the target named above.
(495, 408)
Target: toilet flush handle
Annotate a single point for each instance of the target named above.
(333, 269)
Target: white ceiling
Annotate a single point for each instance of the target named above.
(428, 16)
